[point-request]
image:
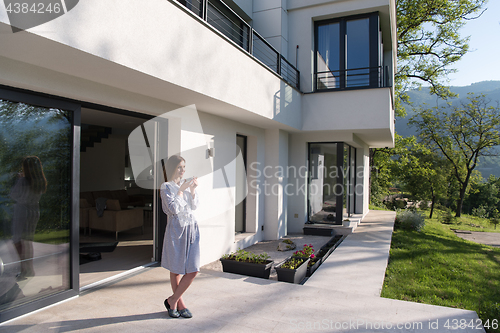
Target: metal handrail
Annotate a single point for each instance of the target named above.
(292, 79)
(228, 30)
(370, 77)
(272, 60)
(276, 60)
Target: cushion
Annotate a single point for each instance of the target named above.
(121, 195)
(84, 203)
(102, 194)
(113, 204)
(88, 196)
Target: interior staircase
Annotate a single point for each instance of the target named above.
(91, 134)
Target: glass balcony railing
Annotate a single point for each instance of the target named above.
(225, 20)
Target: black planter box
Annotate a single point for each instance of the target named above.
(317, 231)
(246, 268)
(292, 275)
(313, 268)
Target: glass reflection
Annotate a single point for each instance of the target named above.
(29, 187)
(323, 186)
(35, 184)
(332, 182)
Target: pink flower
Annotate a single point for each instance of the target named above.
(312, 255)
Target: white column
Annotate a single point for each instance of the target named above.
(275, 179)
(362, 190)
(270, 20)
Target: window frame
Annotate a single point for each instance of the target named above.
(374, 58)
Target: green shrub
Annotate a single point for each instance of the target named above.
(242, 255)
(446, 217)
(480, 212)
(396, 204)
(409, 219)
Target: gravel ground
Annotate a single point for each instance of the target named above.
(270, 247)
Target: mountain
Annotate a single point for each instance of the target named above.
(423, 98)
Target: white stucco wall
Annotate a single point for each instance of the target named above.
(158, 49)
(365, 112)
(270, 20)
(297, 181)
(216, 214)
(301, 17)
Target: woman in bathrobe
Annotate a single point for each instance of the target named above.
(181, 245)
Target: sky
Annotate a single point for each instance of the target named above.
(482, 62)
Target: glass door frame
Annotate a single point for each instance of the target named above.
(340, 179)
(42, 100)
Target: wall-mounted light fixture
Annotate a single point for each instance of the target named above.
(210, 152)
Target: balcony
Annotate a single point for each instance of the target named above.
(355, 78)
(225, 20)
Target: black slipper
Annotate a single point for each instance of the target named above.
(185, 313)
(171, 312)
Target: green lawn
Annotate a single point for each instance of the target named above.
(434, 266)
(474, 223)
(53, 237)
(373, 207)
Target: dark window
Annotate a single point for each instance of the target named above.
(347, 53)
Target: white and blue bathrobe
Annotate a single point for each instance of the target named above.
(181, 245)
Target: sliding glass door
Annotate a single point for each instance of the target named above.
(36, 206)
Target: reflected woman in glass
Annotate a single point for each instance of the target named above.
(29, 187)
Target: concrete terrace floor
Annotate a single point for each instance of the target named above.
(341, 296)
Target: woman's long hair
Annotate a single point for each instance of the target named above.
(33, 172)
(172, 164)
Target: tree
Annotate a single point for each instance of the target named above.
(429, 43)
(462, 135)
(484, 195)
(424, 173)
(382, 168)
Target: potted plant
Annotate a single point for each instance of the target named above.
(292, 270)
(247, 263)
(308, 253)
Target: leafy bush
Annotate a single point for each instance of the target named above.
(495, 219)
(480, 212)
(307, 251)
(395, 204)
(446, 217)
(242, 255)
(409, 219)
(293, 263)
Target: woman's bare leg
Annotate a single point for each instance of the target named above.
(174, 282)
(181, 287)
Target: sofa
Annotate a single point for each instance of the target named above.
(120, 195)
(84, 215)
(116, 219)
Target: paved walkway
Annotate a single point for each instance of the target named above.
(488, 238)
(342, 296)
(359, 263)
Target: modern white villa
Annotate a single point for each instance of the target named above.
(274, 104)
